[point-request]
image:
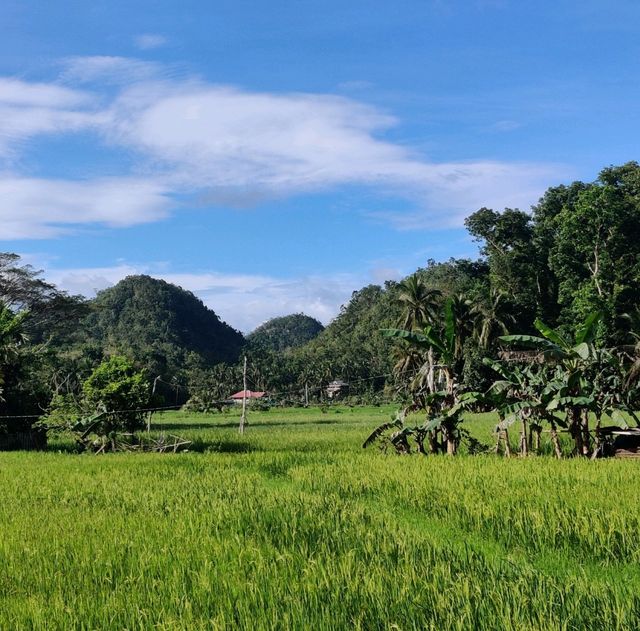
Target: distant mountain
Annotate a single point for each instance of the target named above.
(160, 326)
(279, 334)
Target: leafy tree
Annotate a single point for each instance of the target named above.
(11, 339)
(596, 251)
(508, 244)
(118, 390)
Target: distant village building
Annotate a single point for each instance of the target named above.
(250, 394)
(337, 388)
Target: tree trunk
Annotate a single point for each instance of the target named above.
(523, 438)
(450, 441)
(430, 377)
(575, 429)
(507, 446)
(586, 437)
(555, 441)
(598, 440)
(433, 441)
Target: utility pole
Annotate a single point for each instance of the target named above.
(153, 391)
(243, 418)
(306, 394)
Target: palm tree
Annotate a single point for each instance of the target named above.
(436, 387)
(419, 302)
(491, 318)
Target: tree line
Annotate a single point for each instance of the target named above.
(575, 254)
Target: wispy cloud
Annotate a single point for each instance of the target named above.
(32, 208)
(148, 41)
(224, 145)
(30, 109)
(109, 69)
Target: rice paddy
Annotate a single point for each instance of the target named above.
(294, 526)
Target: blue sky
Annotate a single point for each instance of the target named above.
(275, 156)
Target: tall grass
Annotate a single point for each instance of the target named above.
(293, 526)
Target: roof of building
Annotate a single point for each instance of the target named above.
(250, 395)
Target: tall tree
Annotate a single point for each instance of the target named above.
(507, 243)
(418, 302)
(596, 251)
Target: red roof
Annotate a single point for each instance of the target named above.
(250, 395)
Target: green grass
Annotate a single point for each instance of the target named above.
(294, 526)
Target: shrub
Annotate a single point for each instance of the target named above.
(117, 388)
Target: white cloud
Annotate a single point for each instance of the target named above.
(32, 208)
(242, 300)
(227, 146)
(29, 109)
(148, 41)
(454, 190)
(16, 92)
(230, 142)
(109, 69)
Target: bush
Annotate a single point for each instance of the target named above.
(115, 386)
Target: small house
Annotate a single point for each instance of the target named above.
(337, 388)
(248, 394)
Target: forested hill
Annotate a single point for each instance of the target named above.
(161, 326)
(279, 334)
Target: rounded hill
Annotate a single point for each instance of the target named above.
(160, 325)
(279, 334)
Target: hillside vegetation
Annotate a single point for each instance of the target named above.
(575, 254)
(285, 332)
(161, 325)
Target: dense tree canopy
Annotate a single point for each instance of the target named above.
(578, 252)
(280, 334)
(161, 326)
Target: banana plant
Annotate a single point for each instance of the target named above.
(571, 389)
(436, 389)
(530, 394)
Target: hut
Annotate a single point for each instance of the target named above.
(248, 394)
(337, 388)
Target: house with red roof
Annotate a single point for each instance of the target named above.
(250, 394)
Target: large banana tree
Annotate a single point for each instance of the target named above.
(530, 394)
(436, 388)
(576, 380)
(574, 358)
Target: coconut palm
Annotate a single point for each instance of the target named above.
(491, 318)
(420, 304)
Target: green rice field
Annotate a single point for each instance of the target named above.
(294, 526)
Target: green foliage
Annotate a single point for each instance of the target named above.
(160, 325)
(280, 334)
(346, 350)
(115, 387)
(578, 253)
